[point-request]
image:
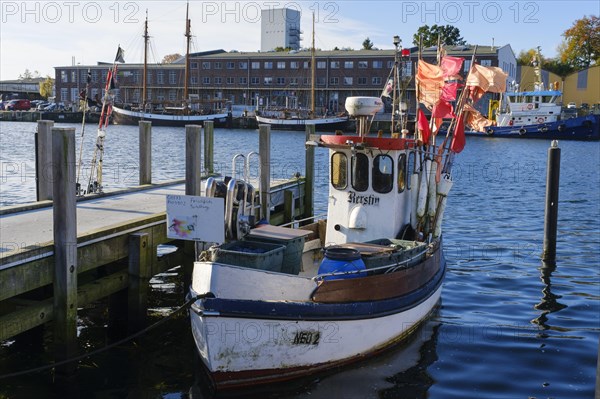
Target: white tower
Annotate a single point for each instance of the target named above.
(280, 27)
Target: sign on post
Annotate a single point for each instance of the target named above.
(196, 218)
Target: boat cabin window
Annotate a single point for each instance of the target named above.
(339, 171)
(383, 174)
(402, 172)
(360, 172)
(410, 167)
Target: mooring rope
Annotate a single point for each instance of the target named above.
(162, 321)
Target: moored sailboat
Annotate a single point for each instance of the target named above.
(171, 116)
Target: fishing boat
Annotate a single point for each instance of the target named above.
(298, 118)
(538, 114)
(189, 112)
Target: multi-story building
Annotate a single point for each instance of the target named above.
(280, 27)
(270, 78)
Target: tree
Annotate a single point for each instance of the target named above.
(47, 87)
(282, 49)
(581, 47)
(450, 35)
(558, 67)
(526, 57)
(27, 74)
(367, 44)
(171, 58)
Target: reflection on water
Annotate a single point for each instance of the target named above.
(549, 302)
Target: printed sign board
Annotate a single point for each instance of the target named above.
(196, 218)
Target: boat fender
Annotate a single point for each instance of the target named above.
(414, 198)
(561, 127)
(522, 131)
(445, 184)
(431, 189)
(422, 199)
(490, 131)
(438, 226)
(544, 129)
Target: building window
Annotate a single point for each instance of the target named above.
(243, 65)
(254, 81)
(407, 69)
(172, 95)
(334, 81)
(334, 64)
(160, 77)
(136, 77)
(268, 65)
(305, 82)
(218, 80)
(281, 81)
(339, 171)
(348, 81)
(377, 64)
(230, 65)
(148, 77)
(193, 65)
(390, 64)
(467, 66)
(376, 81)
(294, 65)
(64, 92)
(243, 80)
(363, 64)
(74, 76)
(487, 63)
(362, 80)
(194, 80)
(321, 81)
(172, 77)
(293, 81)
(280, 64)
(206, 80)
(268, 80)
(218, 65)
(255, 65)
(230, 80)
(321, 65)
(95, 77)
(64, 78)
(306, 65)
(206, 65)
(348, 64)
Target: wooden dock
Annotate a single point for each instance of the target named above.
(115, 249)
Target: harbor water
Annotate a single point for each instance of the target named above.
(508, 325)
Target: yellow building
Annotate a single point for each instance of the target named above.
(527, 79)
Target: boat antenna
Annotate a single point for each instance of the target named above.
(145, 70)
(312, 64)
(188, 36)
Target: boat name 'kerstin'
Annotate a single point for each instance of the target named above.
(353, 198)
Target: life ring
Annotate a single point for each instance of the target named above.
(530, 106)
(544, 129)
(540, 120)
(522, 131)
(561, 127)
(510, 122)
(490, 131)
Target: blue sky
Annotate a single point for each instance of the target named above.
(39, 35)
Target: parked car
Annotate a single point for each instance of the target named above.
(41, 106)
(571, 105)
(585, 106)
(54, 107)
(18, 105)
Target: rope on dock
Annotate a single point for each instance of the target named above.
(162, 321)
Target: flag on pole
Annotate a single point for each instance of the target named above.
(120, 55)
(423, 126)
(458, 138)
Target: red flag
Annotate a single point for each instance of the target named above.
(458, 138)
(443, 109)
(423, 126)
(451, 66)
(449, 91)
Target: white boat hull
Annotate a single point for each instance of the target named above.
(128, 117)
(334, 122)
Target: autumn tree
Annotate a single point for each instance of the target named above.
(526, 57)
(450, 36)
(46, 87)
(367, 44)
(581, 47)
(27, 74)
(171, 58)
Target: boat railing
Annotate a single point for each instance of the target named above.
(293, 223)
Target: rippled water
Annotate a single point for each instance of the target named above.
(509, 326)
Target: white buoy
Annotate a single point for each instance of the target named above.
(432, 197)
(438, 225)
(414, 198)
(423, 181)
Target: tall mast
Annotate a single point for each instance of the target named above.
(188, 37)
(537, 69)
(145, 71)
(312, 65)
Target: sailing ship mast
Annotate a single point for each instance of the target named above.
(312, 64)
(145, 71)
(188, 36)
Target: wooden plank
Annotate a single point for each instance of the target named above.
(277, 232)
(193, 160)
(145, 137)
(43, 160)
(377, 287)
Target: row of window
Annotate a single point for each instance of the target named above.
(376, 64)
(379, 175)
(280, 81)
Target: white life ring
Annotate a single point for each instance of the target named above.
(530, 106)
(540, 120)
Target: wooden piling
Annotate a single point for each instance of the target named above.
(145, 134)
(65, 247)
(264, 151)
(551, 211)
(209, 152)
(140, 271)
(193, 160)
(43, 160)
(309, 173)
(288, 206)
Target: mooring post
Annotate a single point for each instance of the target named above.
(288, 206)
(43, 160)
(264, 151)
(140, 271)
(551, 211)
(65, 247)
(209, 152)
(309, 173)
(145, 152)
(193, 160)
